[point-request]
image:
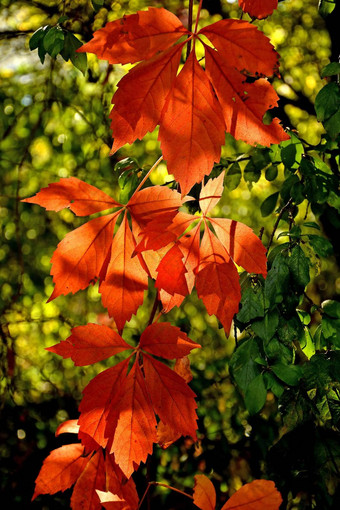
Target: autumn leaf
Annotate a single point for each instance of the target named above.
(204, 493)
(68, 465)
(95, 252)
(118, 410)
(60, 469)
(258, 8)
(256, 495)
(207, 263)
(89, 344)
(195, 107)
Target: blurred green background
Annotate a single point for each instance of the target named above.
(54, 123)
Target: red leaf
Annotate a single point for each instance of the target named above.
(89, 344)
(243, 246)
(154, 203)
(136, 428)
(172, 399)
(166, 436)
(204, 493)
(258, 8)
(60, 469)
(125, 281)
(192, 127)
(136, 37)
(256, 495)
(82, 198)
(243, 104)
(119, 484)
(242, 46)
(162, 339)
(111, 501)
(98, 397)
(211, 193)
(171, 273)
(141, 96)
(84, 494)
(81, 255)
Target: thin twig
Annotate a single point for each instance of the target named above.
(162, 485)
(284, 208)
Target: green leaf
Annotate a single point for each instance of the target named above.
(252, 304)
(72, 43)
(271, 173)
(37, 37)
(54, 41)
(233, 176)
(278, 352)
(326, 7)
(291, 152)
(331, 308)
(331, 69)
(327, 101)
(266, 327)
(243, 365)
(332, 125)
(97, 4)
(277, 281)
(289, 374)
(251, 173)
(311, 224)
(123, 167)
(269, 204)
(287, 186)
(273, 384)
(322, 246)
(299, 267)
(255, 395)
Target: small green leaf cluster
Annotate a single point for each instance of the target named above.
(56, 40)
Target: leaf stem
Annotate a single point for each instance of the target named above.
(284, 208)
(154, 309)
(147, 175)
(198, 16)
(191, 5)
(162, 485)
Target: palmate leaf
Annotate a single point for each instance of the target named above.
(207, 263)
(257, 495)
(192, 120)
(93, 252)
(118, 410)
(89, 473)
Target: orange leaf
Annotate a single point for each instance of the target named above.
(81, 255)
(141, 96)
(89, 344)
(125, 281)
(98, 397)
(258, 8)
(256, 495)
(204, 493)
(68, 427)
(60, 469)
(243, 246)
(166, 341)
(82, 198)
(136, 37)
(211, 193)
(242, 46)
(192, 127)
(166, 436)
(111, 501)
(84, 494)
(118, 484)
(171, 273)
(172, 399)
(243, 104)
(136, 428)
(154, 203)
